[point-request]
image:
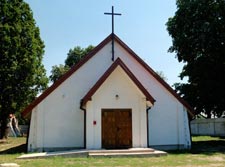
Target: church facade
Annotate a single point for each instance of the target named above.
(102, 103)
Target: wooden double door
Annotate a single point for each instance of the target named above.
(116, 128)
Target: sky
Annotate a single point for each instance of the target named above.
(142, 26)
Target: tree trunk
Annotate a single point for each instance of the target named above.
(209, 114)
(3, 121)
(3, 127)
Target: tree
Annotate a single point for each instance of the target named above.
(57, 72)
(22, 75)
(76, 54)
(73, 57)
(198, 36)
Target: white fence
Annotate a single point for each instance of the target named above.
(211, 127)
(23, 129)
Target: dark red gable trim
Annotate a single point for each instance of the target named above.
(89, 56)
(29, 108)
(117, 63)
(155, 75)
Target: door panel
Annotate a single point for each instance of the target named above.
(116, 128)
(124, 129)
(108, 129)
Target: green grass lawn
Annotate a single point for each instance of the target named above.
(206, 152)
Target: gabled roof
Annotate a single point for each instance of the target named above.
(117, 63)
(29, 108)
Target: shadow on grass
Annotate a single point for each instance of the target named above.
(18, 149)
(211, 146)
(204, 147)
(222, 137)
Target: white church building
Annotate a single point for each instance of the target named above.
(105, 103)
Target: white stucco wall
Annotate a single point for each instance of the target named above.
(130, 97)
(58, 122)
(32, 139)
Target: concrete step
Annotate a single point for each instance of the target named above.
(127, 153)
(130, 150)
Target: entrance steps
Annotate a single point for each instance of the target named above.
(132, 152)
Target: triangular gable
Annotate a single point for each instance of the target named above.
(27, 110)
(98, 84)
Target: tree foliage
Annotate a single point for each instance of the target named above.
(198, 34)
(22, 75)
(162, 75)
(57, 72)
(73, 57)
(76, 54)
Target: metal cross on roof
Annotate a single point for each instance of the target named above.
(113, 14)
